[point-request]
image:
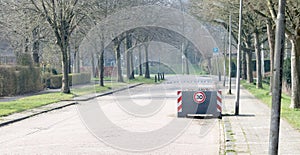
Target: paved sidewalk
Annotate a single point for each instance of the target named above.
(248, 133)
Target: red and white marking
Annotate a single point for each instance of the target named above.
(179, 101)
(219, 101)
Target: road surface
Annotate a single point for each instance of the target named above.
(139, 120)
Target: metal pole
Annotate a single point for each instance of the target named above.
(182, 61)
(219, 72)
(237, 97)
(277, 79)
(225, 56)
(229, 61)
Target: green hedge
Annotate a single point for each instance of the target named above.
(18, 80)
(55, 81)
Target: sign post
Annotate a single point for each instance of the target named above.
(216, 53)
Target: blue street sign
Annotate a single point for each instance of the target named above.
(216, 50)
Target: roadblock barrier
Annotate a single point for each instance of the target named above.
(219, 101)
(179, 101)
(199, 103)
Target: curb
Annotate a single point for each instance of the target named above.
(106, 93)
(229, 139)
(32, 115)
(73, 102)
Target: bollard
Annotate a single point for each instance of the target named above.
(158, 75)
(163, 76)
(155, 78)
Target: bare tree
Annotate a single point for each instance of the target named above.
(60, 16)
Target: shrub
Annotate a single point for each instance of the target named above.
(80, 78)
(55, 81)
(19, 80)
(74, 79)
(24, 59)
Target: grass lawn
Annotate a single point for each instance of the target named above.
(141, 79)
(138, 79)
(7, 108)
(96, 88)
(291, 115)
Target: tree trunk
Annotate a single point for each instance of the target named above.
(244, 65)
(271, 40)
(209, 66)
(258, 60)
(147, 71)
(127, 64)
(101, 65)
(26, 46)
(69, 59)
(140, 61)
(93, 65)
(295, 63)
(64, 45)
(185, 46)
(65, 68)
(187, 69)
(128, 56)
(249, 66)
(131, 65)
(118, 60)
(76, 62)
(101, 69)
(36, 45)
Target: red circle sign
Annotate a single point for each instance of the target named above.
(199, 97)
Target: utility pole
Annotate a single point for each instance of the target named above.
(238, 75)
(229, 61)
(277, 79)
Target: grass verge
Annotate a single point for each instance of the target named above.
(30, 102)
(96, 88)
(141, 79)
(290, 115)
(137, 79)
(7, 108)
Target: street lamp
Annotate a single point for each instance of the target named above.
(237, 98)
(229, 61)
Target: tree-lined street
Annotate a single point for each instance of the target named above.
(64, 132)
(126, 76)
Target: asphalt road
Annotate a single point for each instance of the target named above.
(141, 120)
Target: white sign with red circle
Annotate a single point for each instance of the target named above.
(199, 97)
